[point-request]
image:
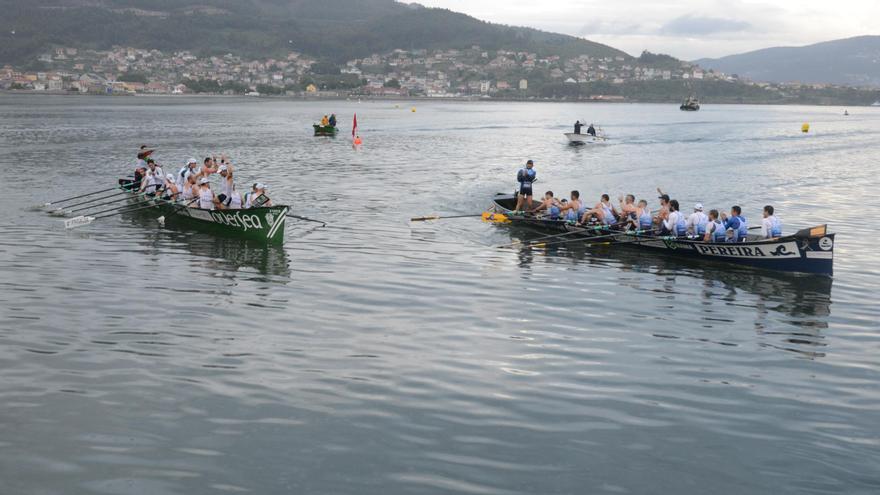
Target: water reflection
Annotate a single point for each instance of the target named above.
(803, 301)
(227, 253)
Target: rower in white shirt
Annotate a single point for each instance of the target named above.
(696, 221)
(770, 225)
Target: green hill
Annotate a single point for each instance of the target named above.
(335, 30)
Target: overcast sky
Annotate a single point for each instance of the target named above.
(687, 29)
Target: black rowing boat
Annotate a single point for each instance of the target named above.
(806, 251)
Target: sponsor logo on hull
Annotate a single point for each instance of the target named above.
(764, 251)
(238, 219)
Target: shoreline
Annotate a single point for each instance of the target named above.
(457, 99)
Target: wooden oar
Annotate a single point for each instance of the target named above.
(124, 191)
(80, 196)
(89, 207)
(85, 220)
(307, 219)
(438, 217)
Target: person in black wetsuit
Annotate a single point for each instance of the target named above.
(577, 127)
(525, 177)
(591, 130)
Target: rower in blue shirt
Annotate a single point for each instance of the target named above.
(525, 177)
(735, 223)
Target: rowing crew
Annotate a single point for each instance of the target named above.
(192, 184)
(669, 220)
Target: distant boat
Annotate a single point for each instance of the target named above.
(252, 93)
(846, 112)
(876, 104)
(691, 104)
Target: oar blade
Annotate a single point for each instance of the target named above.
(79, 221)
(495, 217)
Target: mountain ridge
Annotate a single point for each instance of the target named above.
(336, 30)
(851, 61)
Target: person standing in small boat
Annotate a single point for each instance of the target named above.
(591, 130)
(577, 127)
(675, 223)
(696, 221)
(770, 226)
(714, 229)
(526, 176)
(332, 120)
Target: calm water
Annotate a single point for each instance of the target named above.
(376, 356)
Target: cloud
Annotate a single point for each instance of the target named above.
(688, 25)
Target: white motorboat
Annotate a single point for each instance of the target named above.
(585, 138)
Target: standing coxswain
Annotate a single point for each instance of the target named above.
(526, 177)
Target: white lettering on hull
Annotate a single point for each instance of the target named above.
(763, 251)
(242, 221)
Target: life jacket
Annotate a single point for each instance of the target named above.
(743, 228)
(700, 223)
(526, 176)
(718, 232)
(206, 199)
(645, 220)
(775, 226)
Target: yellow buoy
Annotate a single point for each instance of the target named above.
(413, 109)
(805, 128)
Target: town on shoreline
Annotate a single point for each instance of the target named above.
(458, 74)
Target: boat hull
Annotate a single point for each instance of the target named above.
(322, 130)
(798, 253)
(584, 138)
(263, 224)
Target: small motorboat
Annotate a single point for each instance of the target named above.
(584, 138)
(691, 104)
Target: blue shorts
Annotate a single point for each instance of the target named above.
(525, 190)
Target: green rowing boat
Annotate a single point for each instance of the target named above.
(263, 224)
(325, 130)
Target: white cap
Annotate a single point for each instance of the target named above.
(223, 168)
(170, 177)
(192, 161)
(203, 180)
(260, 185)
(698, 206)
